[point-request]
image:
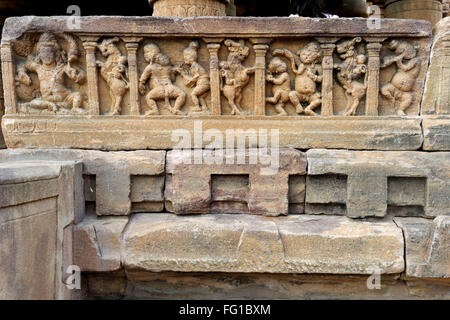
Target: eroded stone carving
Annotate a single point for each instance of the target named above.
(189, 8)
(350, 71)
(281, 80)
(235, 75)
(52, 64)
(113, 71)
(308, 74)
(161, 74)
(195, 77)
(400, 88)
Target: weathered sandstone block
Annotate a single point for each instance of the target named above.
(36, 214)
(97, 243)
(430, 10)
(372, 184)
(119, 182)
(242, 182)
(252, 244)
(427, 246)
(306, 78)
(189, 8)
(436, 132)
(436, 100)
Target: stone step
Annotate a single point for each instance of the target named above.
(240, 244)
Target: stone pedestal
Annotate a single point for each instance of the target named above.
(430, 10)
(189, 8)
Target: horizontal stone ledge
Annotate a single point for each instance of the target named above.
(119, 183)
(373, 183)
(427, 245)
(251, 244)
(214, 26)
(135, 132)
(436, 131)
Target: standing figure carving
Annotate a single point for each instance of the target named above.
(162, 76)
(195, 77)
(308, 74)
(279, 76)
(53, 64)
(234, 76)
(350, 71)
(114, 71)
(408, 69)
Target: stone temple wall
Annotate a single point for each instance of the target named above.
(234, 157)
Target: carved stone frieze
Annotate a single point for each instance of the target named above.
(192, 70)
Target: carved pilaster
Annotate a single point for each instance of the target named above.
(260, 46)
(132, 46)
(90, 45)
(373, 77)
(327, 46)
(213, 48)
(8, 70)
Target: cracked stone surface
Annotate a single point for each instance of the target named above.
(97, 243)
(252, 244)
(427, 246)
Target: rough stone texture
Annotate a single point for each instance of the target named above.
(372, 184)
(241, 183)
(36, 213)
(225, 286)
(114, 174)
(214, 26)
(189, 8)
(436, 131)
(97, 244)
(427, 246)
(430, 10)
(251, 244)
(132, 133)
(436, 98)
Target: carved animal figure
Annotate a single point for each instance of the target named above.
(162, 75)
(113, 71)
(349, 73)
(408, 69)
(236, 76)
(308, 74)
(278, 75)
(194, 76)
(52, 65)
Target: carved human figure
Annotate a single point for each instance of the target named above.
(113, 71)
(408, 68)
(350, 71)
(52, 65)
(162, 75)
(279, 76)
(234, 75)
(195, 77)
(308, 74)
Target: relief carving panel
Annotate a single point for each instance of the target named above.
(191, 71)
